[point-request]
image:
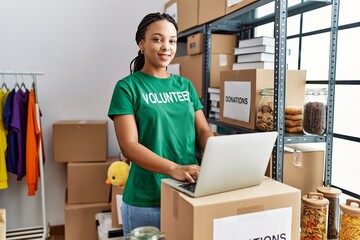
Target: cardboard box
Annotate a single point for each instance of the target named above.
(80, 220)
(304, 167)
(184, 217)
(80, 141)
(220, 43)
(86, 182)
(237, 5)
(191, 67)
(258, 79)
(188, 12)
(115, 191)
(210, 10)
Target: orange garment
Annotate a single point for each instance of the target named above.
(33, 136)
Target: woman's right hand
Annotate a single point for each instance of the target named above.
(185, 173)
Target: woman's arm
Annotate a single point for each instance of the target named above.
(203, 131)
(127, 136)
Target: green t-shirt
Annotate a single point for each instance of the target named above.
(164, 113)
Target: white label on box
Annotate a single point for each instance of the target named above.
(223, 60)
(174, 69)
(237, 96)
(172, 11)
(232, 2)
(270, 224)
(118, 206)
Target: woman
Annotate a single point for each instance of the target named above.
(158, 121)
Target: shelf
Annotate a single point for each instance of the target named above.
(289, 138)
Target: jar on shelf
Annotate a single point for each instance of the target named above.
(314, 216)
(145, 233)
(265, 110)
(314, 112)
(350, 219)
(332, 194)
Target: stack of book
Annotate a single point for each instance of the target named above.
(255, 53)
(214, 98)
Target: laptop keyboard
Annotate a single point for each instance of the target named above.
(188, 186)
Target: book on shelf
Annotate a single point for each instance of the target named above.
(213, 90)
(251, 42)
(255, 57)
(215, 96)
(215, 115)
(253, 65)
(215, 103)
(215, 109)
(255, 49)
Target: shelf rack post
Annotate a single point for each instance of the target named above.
(279, 87)
(331, 91)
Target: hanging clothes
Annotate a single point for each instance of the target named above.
(11, 152)
(3, 142)
(18, 124)
(33, 136)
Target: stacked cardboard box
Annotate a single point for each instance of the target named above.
(222, 58)
(191, 13)
(83, 146)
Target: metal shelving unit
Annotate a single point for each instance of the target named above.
(242, 22)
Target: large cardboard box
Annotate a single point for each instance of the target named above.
(303, 167)
(184, 217)
(80, 222)
(80, 141)
(258, 79)
(234, 5)
(220, 43)
(188, 13)
(191, 67)
(115, 192)
(86, 182)
(210, 10)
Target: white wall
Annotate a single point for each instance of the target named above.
(83, 47)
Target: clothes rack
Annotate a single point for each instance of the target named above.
(37, 232)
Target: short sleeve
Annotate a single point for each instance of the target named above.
(121, 101)
(195, 98)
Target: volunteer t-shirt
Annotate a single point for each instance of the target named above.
(164, 111)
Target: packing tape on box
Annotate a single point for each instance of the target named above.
(297, 157)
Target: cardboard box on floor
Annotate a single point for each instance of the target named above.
(191, 67)
(115, 191)
(80, 141)
(262, 78)
(220, 43)
(183, 217)
(80, 220)
(304, 167)
(86, 182)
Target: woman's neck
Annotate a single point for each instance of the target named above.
(159, 73)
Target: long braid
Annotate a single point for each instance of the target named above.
(138, 62)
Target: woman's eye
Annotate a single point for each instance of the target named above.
(157, 40)
(172, 41)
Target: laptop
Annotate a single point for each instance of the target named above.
(230, 162)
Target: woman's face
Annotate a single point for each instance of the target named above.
(159, 44)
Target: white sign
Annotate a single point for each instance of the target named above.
(172, 11)
(233, 2)
(270, 224)
(237, 100)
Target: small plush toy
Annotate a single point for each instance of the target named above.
(117, 173)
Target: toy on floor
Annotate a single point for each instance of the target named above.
(117, 173)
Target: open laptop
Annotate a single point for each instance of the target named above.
(230, 162)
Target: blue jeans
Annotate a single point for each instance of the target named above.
(133, 217)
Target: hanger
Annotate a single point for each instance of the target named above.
(4, 86)
(16, 86)
(22, 86)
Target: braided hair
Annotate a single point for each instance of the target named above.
(138, 62)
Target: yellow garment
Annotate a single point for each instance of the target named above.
(3, 143)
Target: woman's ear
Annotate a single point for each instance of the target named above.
(141, 45)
